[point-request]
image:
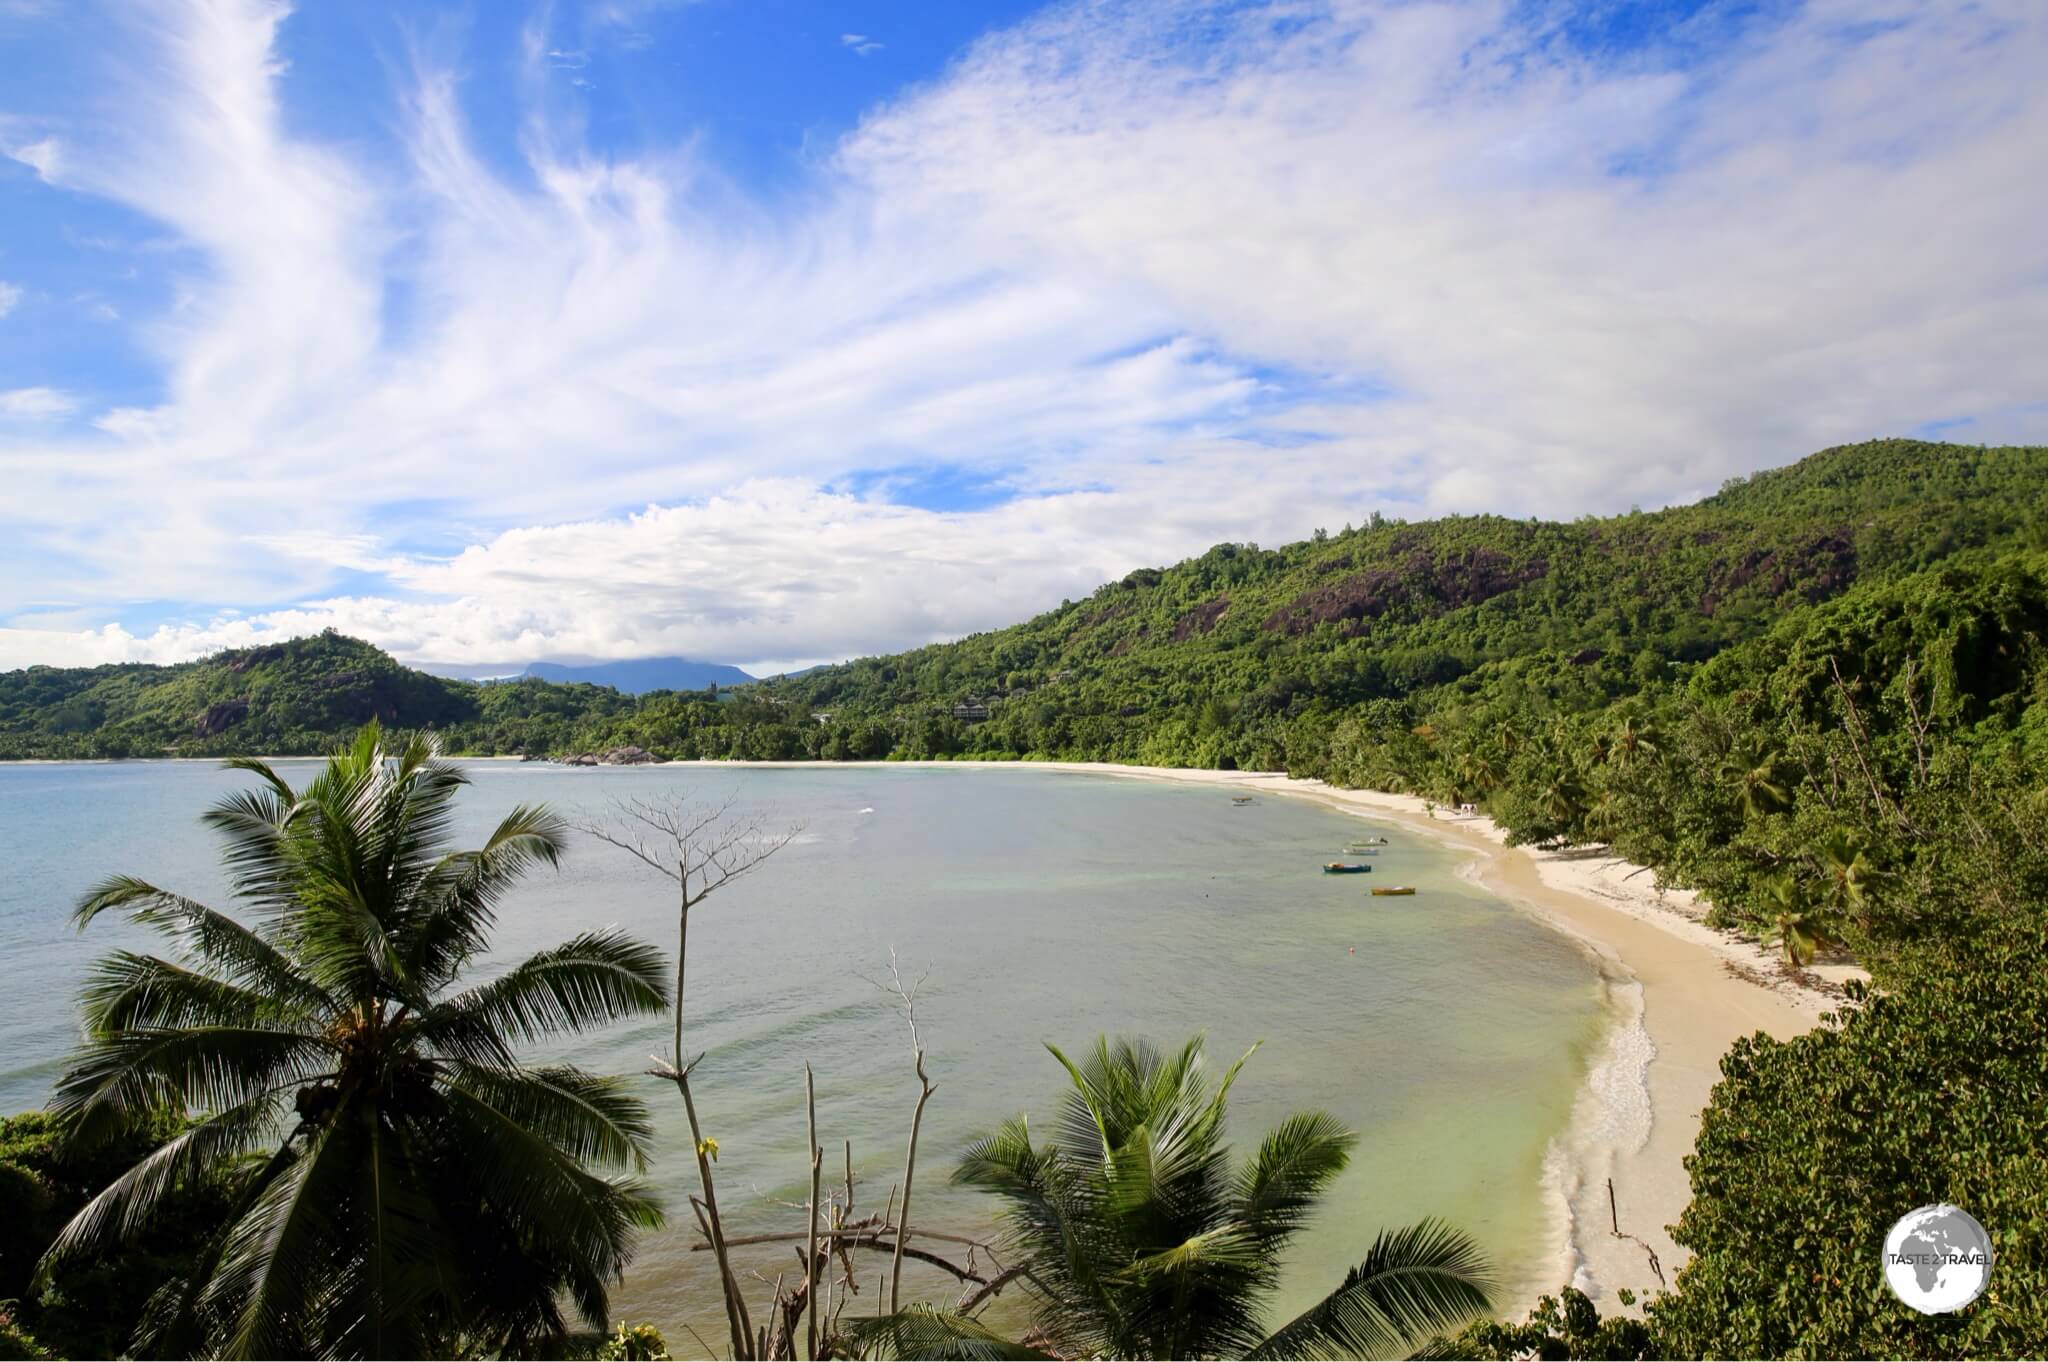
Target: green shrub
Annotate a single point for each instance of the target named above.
(1812, 1148)
(88, 1309)
(641, 1343)
(1565, 1326)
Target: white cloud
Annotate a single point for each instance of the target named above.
(861, 44)
(42, 156)
(10, 294)
(33, 404)
(1099, 254)
(1835, 231)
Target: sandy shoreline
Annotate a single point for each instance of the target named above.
(1681, 993)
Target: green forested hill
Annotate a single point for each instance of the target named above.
(1207, 661)
(297, 697)
(286, 697)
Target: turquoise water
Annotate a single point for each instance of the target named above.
(1038, 906)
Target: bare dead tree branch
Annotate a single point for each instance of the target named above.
(811, 1245)
(700, 846)
(972, 1300)
(1855, 729)
(925, 1088)
(860, 1230)
(1919, 724)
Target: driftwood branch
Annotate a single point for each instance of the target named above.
(1614, 1216)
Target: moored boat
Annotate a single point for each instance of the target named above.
(1339, 868)
(1385, 891)
(1361, 851)
(1240, 799)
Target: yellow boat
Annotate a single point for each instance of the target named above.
(1386, 891)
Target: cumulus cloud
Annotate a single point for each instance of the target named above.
(1582, 280)
(1157, 273)
(10, 294)
(774, 569)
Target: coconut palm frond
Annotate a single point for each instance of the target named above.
(1414, 1284)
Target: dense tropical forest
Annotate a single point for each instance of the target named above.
(1820, 696)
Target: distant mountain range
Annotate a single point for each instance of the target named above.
(637, 676)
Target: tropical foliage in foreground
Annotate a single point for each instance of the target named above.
(431, 1193)
(87, 1307)
(1145, 1238)
(1814, 1147)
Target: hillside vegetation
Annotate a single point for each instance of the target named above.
(1820, 696)
(296, 698)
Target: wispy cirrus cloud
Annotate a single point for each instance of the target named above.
(1155, 274)
(35, 403)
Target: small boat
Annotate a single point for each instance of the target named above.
(1388, 891)
(1240, 799)
(1339, 868)
(1372, 841)
(1361, 851)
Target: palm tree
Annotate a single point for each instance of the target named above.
(1477, 771)
(1564, 801)
(1795, 926)
(1759, 789)
(403, 1185)
(1606, 815)
(1143, 1238)
(1849, 871)
(1630, 741)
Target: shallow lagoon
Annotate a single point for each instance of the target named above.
(1038, 906)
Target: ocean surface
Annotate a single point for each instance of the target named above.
(1035, 906)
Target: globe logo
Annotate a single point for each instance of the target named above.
(1937, 1259)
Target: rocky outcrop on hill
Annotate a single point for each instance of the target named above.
(219, 718)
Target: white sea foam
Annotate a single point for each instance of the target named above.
(1611, 1118)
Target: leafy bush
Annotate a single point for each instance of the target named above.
(640, 1343)
(1565, 1326)
(1814, 1147)
(88, 1309)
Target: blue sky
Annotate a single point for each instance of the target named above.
(771, 332)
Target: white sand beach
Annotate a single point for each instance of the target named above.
(1682, 992)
